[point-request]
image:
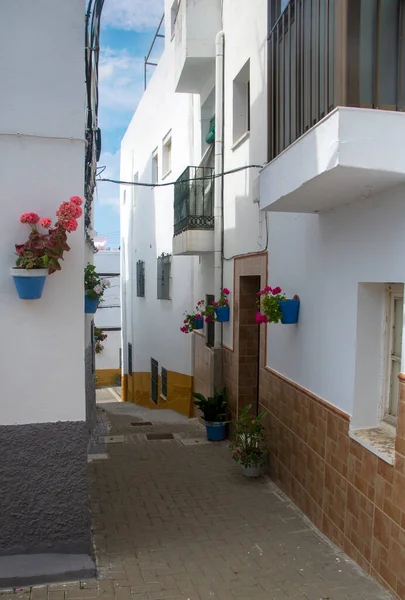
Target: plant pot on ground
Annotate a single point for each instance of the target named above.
(247, 443)
(214, 414)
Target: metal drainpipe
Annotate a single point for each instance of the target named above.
(219, 168)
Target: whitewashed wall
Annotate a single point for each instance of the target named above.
(152, 325)
(42, 150)
(323, 258)
(109, 313)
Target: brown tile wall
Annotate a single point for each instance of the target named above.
(353, 496)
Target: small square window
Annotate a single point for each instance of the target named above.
(167, 155)
(241, 102)
(155, 166)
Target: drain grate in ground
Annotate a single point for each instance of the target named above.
(159, 436)
(141, 424)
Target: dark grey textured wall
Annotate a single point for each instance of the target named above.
(44, 503)
(90, 388)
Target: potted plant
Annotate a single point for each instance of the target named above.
(194, 320)
(247, 443)
(218, 310)
(214, 414)
(275, 307)
(41, 254)
(94, 289)
(99, 338)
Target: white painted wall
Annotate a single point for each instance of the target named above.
(109, 313)
(323, 259)
(42, 98)
(152, 325)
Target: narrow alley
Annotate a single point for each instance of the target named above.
(173, 517)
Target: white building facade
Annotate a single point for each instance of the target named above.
(322, 219)
(44, 503)
(108, 320)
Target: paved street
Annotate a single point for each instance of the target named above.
(175, 519)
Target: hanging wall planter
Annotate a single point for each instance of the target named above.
(29, 283)
(199, 324)
(289, 310)
(222, 313)
(90, 306)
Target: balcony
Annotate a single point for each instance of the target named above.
(193, 212)
(195, 29)
(322, 56)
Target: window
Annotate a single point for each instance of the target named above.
(129, 359)
(167, 155)
(135, 189)
(173, 16)
(209, 299)
(155, 166)
(140, 279)
(241, 103)
(164, 382)
(395, 308)
(164, 263)
(154, 379)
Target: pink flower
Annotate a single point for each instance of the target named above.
(70, 225)
(185, 321)
(198, 317)
(267, 289)
(29, 218)
(98, 289)
(261, 293)
(226, 291)
(208, 319)
(276, 291)
(75, 211)
(261, 318)
(45, 222)
(183, 329)
(214, 303)
(76, 200)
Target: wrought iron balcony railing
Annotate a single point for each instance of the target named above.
(193, 200)
(328, 53)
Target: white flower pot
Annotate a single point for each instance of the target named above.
(251, 471)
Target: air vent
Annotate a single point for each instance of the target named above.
(141, 424)
(159, 436)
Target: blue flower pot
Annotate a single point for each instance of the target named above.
(289, 309)
(199, 323)
(29, 283)
(90, 306)
(216, 431)
(222, 313)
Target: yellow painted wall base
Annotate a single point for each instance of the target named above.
(107, 377)
(179, 392)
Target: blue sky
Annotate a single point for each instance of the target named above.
(128, 27)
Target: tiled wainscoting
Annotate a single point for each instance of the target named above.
(356, 498)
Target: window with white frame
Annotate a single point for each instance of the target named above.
(241, 103)
(167, 155)
(393, 354)
(155, 166)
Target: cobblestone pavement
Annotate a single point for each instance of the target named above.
(176, 519)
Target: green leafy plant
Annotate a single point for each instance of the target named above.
(94, 286)
(248, 438)
(213, 408)
(99, 338)
(269, 305)
(209, 312)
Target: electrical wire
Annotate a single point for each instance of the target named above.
(168, 183)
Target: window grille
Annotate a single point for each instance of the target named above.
(163, 276)
(140, 279)
(154, 379)
(129, 359)
(164, 382)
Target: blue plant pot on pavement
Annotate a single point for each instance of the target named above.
(199, 323)
(29, 283)
(216, 431)
(90, 306)
(222, 313)
(289, 309)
